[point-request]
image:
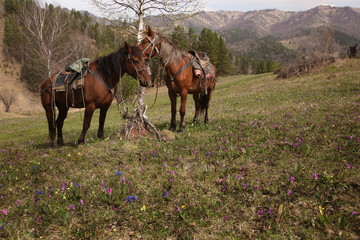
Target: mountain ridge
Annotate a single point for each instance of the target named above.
(296, 30)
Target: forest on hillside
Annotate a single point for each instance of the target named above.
(44, 39)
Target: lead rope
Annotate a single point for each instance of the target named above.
(157, 80)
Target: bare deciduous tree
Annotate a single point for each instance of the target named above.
(139, 8)
(8, 98)
(48, 45)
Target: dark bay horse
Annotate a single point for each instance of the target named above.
(102, 76)
(180, 79)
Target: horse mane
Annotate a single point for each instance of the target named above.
(111, 64)
(170, 53)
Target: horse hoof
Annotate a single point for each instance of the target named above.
(181, 130)
(172, 129)
(60, 142)
(195, 121)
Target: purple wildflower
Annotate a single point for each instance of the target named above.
(292, 178)
(2, 225)
(260, 212)
(72, 206)
(315, 176)
(118, 173)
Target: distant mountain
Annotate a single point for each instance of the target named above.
(303, 31)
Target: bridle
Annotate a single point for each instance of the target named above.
(151, 44)
(138, 71)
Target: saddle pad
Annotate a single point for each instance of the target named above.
(74, 85)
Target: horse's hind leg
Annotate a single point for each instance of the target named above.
(60, 123)
(89, 110)
(102, 117)
(197, 107)
(207, 104)
(50, 112)
(46, 100)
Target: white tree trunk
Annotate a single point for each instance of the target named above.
(139, 124)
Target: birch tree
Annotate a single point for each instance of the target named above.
(138, 9)
(47, 43)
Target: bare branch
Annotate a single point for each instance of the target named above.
(8, 98)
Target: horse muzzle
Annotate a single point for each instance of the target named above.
(143, 83)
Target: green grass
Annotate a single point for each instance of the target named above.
(279, 160)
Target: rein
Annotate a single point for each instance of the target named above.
(182, 69)
(98, 78)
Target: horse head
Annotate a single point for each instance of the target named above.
(136, 66)
(149, 45)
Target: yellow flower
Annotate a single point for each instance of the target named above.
(143, 208)
(321, 209)
(183, 206)
(79, 154)
(69, 155)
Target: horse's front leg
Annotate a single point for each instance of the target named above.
(60, 123)
(89, 110)
(172, 96)
(197, 107)
(102, 117)
(182, 110)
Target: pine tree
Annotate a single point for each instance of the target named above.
(192, 38)
(224, 58)
(179, 38)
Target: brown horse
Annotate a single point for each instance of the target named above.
(102, 76)
(180, 79)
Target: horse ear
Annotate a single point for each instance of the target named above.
(150, 32)
(128, 48)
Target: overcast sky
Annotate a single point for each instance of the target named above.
(232, 5)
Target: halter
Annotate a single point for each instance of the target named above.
(147, 68)
(151, 44)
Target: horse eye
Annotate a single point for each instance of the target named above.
(135, 61)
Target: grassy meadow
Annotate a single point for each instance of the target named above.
(279, 160)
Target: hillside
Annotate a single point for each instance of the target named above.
(278, 160)
(26, 103)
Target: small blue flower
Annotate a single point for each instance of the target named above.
(131, 198)
(166, 194)
(75, 184)
(2, 225)
(118, 173)
(39, 192)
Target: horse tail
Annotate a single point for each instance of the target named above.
(204, 101)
